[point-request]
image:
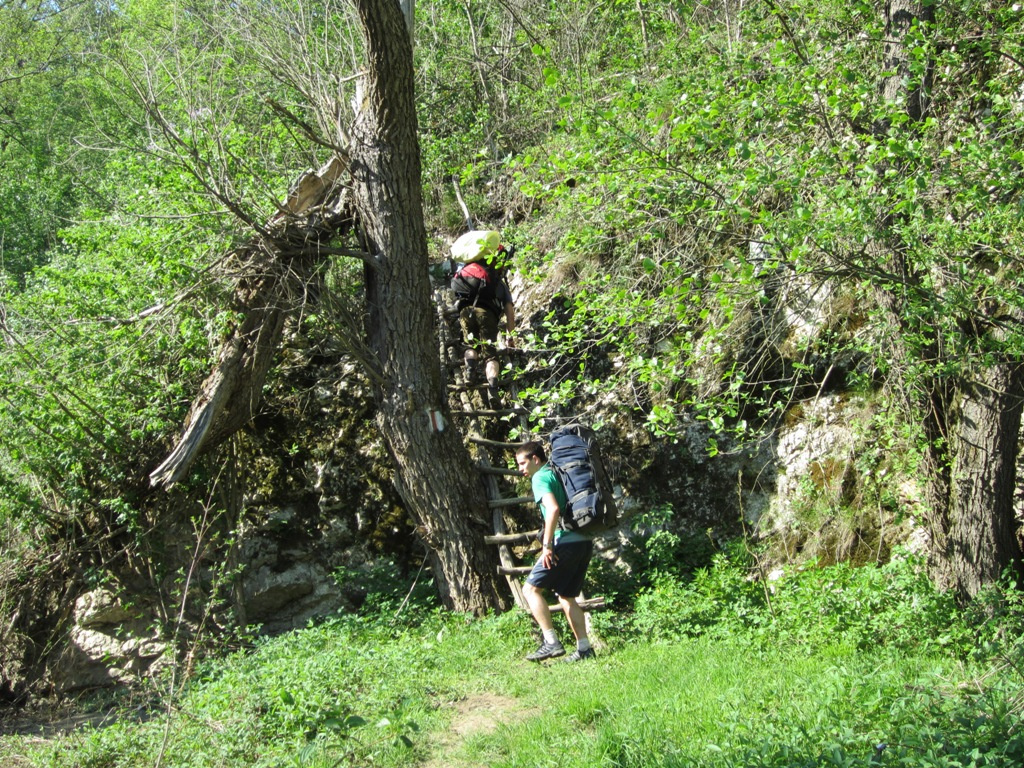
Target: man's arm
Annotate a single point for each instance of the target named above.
(551, 513)
(510, 323)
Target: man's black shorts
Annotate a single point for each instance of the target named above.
(480, 329)
(565, 579)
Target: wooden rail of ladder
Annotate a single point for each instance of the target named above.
(504, 540)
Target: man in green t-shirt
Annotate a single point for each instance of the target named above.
(563, 562)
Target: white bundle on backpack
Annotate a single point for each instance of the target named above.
(476, 245)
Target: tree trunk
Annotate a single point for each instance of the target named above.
(900, 18)
(971, 427)
(435, 479)
(982, 526)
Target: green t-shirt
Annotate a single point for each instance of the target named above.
(545, 481)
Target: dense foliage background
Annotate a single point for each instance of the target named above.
(736, 207)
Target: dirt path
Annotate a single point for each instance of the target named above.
(474, 715)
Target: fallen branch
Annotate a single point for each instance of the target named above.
(273, 271)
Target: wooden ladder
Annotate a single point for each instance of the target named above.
(466, 402)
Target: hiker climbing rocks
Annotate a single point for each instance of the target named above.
(563, 562)
(482, 297)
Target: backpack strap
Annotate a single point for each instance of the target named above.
(478, 291)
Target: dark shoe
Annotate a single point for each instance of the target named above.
(579, 655)
(547, 651)
(494, 398)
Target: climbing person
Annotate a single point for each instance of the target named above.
(563, 562)
(482, 298)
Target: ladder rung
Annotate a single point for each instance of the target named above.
(502, 412)
(509, 502)
(512, 538)
(590, 604)
(464, 388)
(491, 443)
(519, 570)
(499, 471)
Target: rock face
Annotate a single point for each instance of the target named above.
(285, 581)
(116, 639)
(815, 453)
(314, 496)
(110, 642)
(827, 499)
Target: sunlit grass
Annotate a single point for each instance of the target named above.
(436, 689)
(710, 703)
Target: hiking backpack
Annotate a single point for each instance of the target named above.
(576, 460)
(476, 285)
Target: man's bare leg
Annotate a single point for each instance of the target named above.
(578, 622)
(576, 617)
(551, 647)
(539, 607)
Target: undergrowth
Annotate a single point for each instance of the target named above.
(894, 605)
(835, 666)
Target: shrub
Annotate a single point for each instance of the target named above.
(894, 606)
(719, 600)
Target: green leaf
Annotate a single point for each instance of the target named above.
(334, 724)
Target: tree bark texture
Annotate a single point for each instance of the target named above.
(901, 86)
(433, 468)
(982, 538)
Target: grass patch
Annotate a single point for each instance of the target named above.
(710, 702)
(743, 689)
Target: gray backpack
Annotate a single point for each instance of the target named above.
(576, 460)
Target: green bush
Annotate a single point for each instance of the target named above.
(718, 600)
(389, 592)
(893, 606)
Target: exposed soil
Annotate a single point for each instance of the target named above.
(40, 727)
(37, 726)
(45, 727)
(474, 715)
